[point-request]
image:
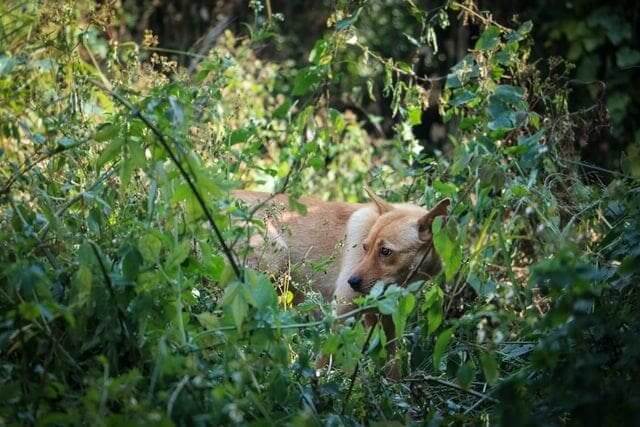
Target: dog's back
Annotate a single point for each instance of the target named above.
(310, 244)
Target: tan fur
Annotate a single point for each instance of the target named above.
(343, 231)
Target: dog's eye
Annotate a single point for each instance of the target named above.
(385, 251)
(365, 247)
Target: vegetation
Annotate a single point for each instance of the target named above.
(125, 298)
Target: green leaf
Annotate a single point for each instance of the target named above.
(6, 64)
(441, 345)
(82, 284)
(466, 373)
(627, 57)
(66, 142)
(263, 292)
(433, 307)
(106, 132)
(415, 116)
(149, 246)
(447, 247)
(445, 188)
(239, 310)
(489, 367)
(489, 38)
(131, 264)
(179, 253)
(307, 79)
(207, 320)
(241, 135)
(406, 304)
(110, 153)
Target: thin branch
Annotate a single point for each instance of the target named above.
(185, 175)
(453, 385)
(288, 325)
(485, 20)
(112, 293)
(352, 380)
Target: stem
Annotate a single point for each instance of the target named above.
(453, 385)
(185, 175)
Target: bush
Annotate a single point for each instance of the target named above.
(125, 294)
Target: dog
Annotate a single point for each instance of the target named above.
(366, 242)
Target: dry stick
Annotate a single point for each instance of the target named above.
(366, 343)
(165, 144)
(485, 20)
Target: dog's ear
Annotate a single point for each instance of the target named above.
(381, 205)
(424, 223)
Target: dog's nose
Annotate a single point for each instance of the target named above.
(355, 282)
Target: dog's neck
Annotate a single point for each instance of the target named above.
(426, 264)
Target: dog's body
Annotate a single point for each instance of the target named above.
(367, 242)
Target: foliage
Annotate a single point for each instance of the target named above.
(125, 293)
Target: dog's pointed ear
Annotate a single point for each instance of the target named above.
(424, 223)
(381, 205)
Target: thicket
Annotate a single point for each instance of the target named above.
(124, 294)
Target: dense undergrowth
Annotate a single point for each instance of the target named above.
(124, 294)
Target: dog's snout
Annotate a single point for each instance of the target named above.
(355, 282)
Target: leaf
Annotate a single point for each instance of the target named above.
(441, 345)
(445, 188)
(509, 94)
(207, 320)
(131, 264)
(489, 367)
(179, 253)
(415, 116)
(149, 246)
(447, 247)
(66, 142)
(489, 38)
(6, 64)
(466, 373)
(627, 57)
(388, 304)
(106, 132)
(82, 284)
(406, 304)
(433, 307)
(240, 135)
(262, 292)
(306, 79)
(239, 310)
(110, 153)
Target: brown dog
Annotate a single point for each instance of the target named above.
(367, 243)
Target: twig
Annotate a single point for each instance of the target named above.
(289, 325)
(476, 15)
(165, 144)
(453, 385)
(107, 279)
(174, 395)
(354, 374)
(44, 230)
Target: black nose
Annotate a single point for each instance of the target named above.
(355, 282)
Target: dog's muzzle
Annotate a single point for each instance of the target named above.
(355, 282)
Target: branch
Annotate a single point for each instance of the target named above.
(485, 20)
(165, 144)
(366, 343)
(107, 279)
(453, 385)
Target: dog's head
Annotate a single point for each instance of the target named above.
(399, 238)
